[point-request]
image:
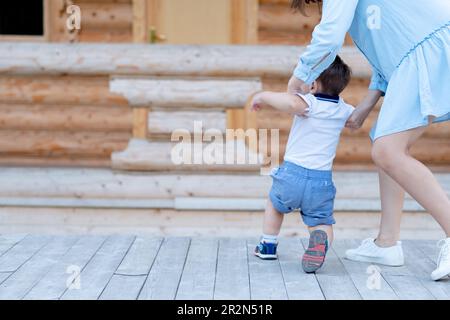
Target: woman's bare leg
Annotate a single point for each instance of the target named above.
(392, 200)
(391, 154)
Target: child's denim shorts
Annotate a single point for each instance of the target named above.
(310, 191)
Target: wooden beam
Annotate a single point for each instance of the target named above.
(175, 93)
(160, 60)
(244, 17)
(140, 123)
(140, 21)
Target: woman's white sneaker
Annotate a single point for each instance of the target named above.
(368, 251)
(443, 263)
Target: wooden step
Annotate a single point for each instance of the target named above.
(101, 188)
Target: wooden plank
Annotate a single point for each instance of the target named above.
(359, 273)
(244, 21)
(232, 276)
(404, 282)
(266, 278)
(161, 60)
(9, 241)
(140, 123)
(299, 285)
(22, 252)
(122, 287)
(140, 257)
(98, 272)
(164, 277)
(21, 281)
(199, 274)
(334, 280)
(53, 285)
(421, 266)
(190, 93)
(139, 21)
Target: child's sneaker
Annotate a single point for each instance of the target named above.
(315, 255)
(266, 251)
(443, 263)
(368, 251)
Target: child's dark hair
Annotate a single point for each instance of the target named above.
(300, 5)
(336, 78)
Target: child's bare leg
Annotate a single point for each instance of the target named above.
(267, 249)
(327, 229)
(272, 220)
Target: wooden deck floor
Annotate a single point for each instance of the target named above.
(127, 267)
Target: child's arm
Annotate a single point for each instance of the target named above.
(290, 103)
(363, 110)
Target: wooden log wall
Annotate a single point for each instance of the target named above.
(61, 120)
(57, 108)
(102, 21)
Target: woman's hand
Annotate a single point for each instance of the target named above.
(357, 119)
(298, 86)
(362, 111)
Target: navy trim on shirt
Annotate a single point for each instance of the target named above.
(327, 97)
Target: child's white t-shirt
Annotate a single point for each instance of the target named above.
(314, 139)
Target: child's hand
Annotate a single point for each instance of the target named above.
(256, 103)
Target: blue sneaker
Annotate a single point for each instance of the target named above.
(266, 251)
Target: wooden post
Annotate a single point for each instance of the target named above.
(140, 123)
(244, 16)
(140, 21)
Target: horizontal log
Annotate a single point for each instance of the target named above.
(106, 15)
(90, 185)
(358, 150)
(60, 162)
(65, 118)
(61, 143)
(105, 36)
(166, 122)
(141, 92)
(170, 60)
(59, 90)
(140, 156)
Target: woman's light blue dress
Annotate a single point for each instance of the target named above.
(407, 42)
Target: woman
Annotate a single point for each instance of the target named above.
(408, 46)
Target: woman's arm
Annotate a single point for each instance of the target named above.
(286, 102)
(328, 38)
(363, 110)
